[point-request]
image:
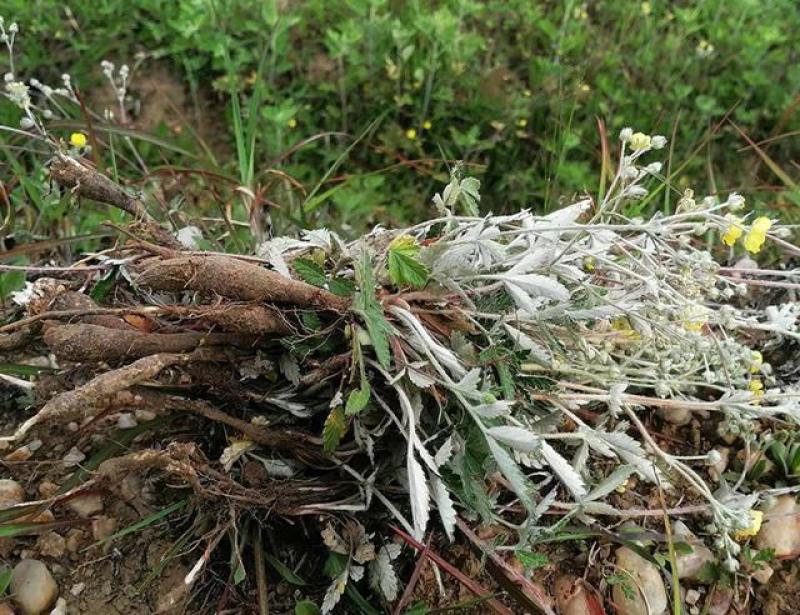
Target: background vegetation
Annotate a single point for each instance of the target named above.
(354, 110)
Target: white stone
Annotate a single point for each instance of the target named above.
(690, 564)
(650, 594)
(780, 529)
(11, 493)
(86, 505)
(33, 587)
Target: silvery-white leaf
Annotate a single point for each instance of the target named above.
(277, 468)
(233, 452)
(494, 409)
(615, 397)
(297, 409)
(517, 438)
(611, 482)
(522, 299)
(570, 272)
(356, 573)
(596, 442)
(565, 472)
(189, 237)
(418, 377)
(632, 452)
(445, 506)
(510, 470)
(539, 285)
(381, 572)
(602, 311)
(444, 453)
(289, 368)
(532, 260)
(334, 592)
(468, 385)
(428, 344)
(581, 457)
(525, 342)
(544, 505)
(320, 238)
(419, 495)
(566, 216)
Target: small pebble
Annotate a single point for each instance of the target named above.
(763, 574)
(33, 587)
(51, 545)
(75, 539)
(126, 421)
(76, 589)
(691, 564)
(5, 609)
(47, 489)
(103, 527)
(11, 493)
(86, 505)
(144, 415)
(34, 445)
(23, 453)
(692, 597)
(73, 457)
(60, 608)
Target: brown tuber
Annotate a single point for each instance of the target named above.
(228, 277)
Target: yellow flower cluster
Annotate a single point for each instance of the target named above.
(755, 237)
(756, 517)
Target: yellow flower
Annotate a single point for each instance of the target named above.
(292, 123)
(522, 122)
(640, 141)
(527, 93)
(589, 263)
(756, 517)
(411, 134)
(623, 326)
(756, 388)
(757, 234)
(585, 87)
(77, 139)
(758, 360)
(694, 318)
(734, 230)
(647, 8)
(427, 125)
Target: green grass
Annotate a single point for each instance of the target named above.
(515, 88)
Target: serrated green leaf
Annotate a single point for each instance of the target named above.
(371, 311)
(334, 429)
(358, 399)
(341, 287)
(404, 268)
(310, 272)
(407, 271)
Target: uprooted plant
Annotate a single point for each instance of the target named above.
(489, 368)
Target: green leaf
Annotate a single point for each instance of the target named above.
(358, 399)
(470, 195)
(418, 608)
(366, 303)
(16, 369)
(5, 580)
(341, 287)
(103, 286)
(310, 272)
(282, 569)
(404, 268)
(532, 560)
(334, 429)
(306, 607)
